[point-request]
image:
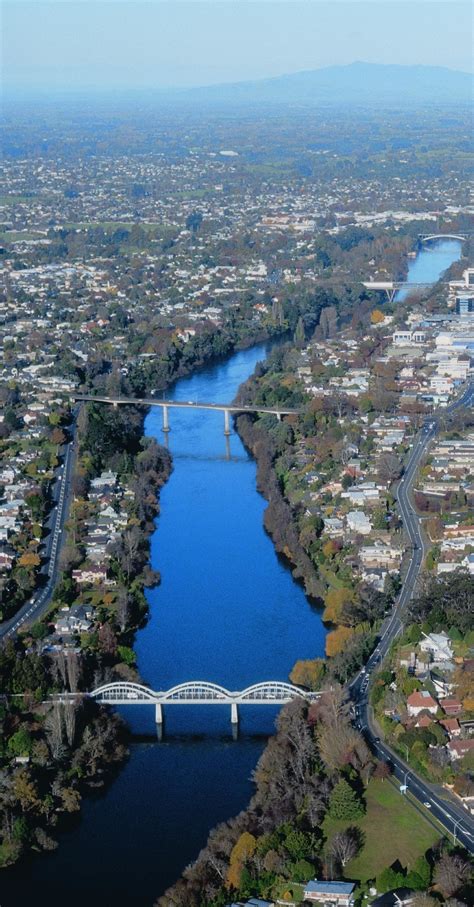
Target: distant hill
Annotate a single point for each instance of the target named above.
(358, 83)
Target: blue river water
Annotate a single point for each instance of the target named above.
(228, 611)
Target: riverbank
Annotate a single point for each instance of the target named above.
(53, 754)
(279, 519)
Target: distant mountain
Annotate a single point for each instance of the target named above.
(358, 83)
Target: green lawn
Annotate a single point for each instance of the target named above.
(393, 830)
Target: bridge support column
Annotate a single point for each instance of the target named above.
(166, 423)
(226, 422)
(159, 720)
(234, 713)
(278, 415)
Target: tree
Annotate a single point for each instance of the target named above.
(419, 877)
(242, 850)
(299, 332)
(451, 872)
(337, 640)
(377, 317)
(389, 879)
(389, 468)
(344, 802)
(382, 771)
(335, 600)
(20, 743)
(309, 673)
(30, 559)
(345, 845)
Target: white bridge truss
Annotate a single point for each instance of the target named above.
(432, 237)
(200, 692)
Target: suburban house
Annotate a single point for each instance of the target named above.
(93, 574)
(457, 749)
(438, 645)
(399, 897)
(452, 706)
(340, 894)
(380, 555)
(76, 619)
(252, 902)
(359, 522)
(421, 701)
(452, 726)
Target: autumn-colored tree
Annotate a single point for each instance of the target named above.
(335, 600)
(25, 791)
(308, 673)
(29, 559)
(377, 316)
(240, 853)
(337, 640)
(330, 548)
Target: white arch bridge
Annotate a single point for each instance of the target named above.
(200, 692)
(432, 237)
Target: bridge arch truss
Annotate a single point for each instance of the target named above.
(201, 692)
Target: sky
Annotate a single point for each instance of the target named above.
(119, 44)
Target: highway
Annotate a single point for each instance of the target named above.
(452, 816)
(35, 607)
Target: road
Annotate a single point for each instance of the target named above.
(35, 607)
(452, 816)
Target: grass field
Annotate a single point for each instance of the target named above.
(393, 830)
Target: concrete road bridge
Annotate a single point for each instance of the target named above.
(227, 408)
(390, 287)
(198, 692)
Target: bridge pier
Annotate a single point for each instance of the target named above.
(166, 423)
(159, 720)
(234, 714)
(226, 422)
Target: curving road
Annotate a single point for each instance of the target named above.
(451, 815)
(35, 607)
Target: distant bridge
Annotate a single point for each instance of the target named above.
(166, 405)
(432, 237)
(198, 692)
(390, 287)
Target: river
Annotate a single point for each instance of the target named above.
(228, 611)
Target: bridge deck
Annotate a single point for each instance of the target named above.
(183, 404)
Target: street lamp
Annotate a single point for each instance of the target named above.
(456, 823)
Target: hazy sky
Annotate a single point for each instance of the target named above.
(70, 44)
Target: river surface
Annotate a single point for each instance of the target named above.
(227, 611)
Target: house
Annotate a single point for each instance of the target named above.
(357, 521)
(423, 721)
(74, 620)
(380, 555)
(421, 701)
(457, 749)
(93, 574)
(452, 706)
(452, 726)
(438, 645)
(399, 897)
(339, 893)
(252, 902)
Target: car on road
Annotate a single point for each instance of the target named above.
(427, 804)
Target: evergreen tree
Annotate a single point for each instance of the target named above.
(299, 332)
(344, 802)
